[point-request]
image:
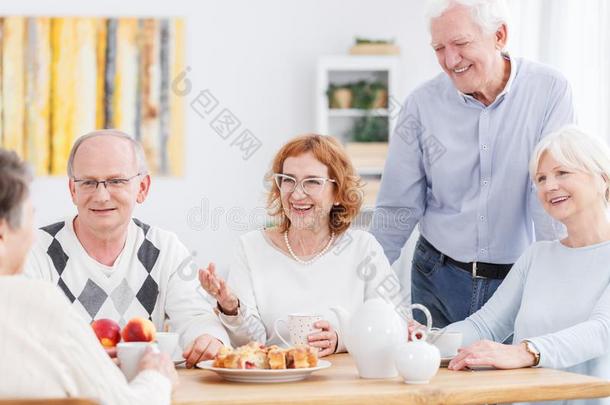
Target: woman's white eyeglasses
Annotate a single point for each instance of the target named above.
(312, 186)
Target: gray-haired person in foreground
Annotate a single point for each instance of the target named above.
(47, 349)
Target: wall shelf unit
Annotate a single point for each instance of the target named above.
(367, 117)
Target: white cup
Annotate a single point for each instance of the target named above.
(129, 354)
(448, 343)
(168, 343)
(299, 327)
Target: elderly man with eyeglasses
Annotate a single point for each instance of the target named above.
(457, 163)
(111, 265)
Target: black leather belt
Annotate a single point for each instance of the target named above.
(477, 269)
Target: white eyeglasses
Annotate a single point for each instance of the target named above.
(312, 186)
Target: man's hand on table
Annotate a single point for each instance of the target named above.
(202, 348)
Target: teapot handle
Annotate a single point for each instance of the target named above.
(426, 314)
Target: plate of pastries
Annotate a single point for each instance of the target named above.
(257, 363)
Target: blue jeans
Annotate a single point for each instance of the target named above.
(450, 293)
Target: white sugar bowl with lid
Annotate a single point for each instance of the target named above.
(417, 361)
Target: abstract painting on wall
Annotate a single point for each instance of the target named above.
(63, 77)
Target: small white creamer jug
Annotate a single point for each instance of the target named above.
(417, 361)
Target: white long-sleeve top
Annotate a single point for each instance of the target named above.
(270, 284)
(558, 298)
(153, 277)
(47, 350)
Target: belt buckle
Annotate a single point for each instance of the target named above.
(474, 271)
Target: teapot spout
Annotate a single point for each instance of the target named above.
(343, 317)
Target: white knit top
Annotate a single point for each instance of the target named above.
(271, 284)
(48, 350)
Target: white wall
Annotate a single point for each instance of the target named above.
(258, 58)
(574, 37)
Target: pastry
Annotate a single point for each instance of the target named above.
(298, 357)
(233, 360)
(257, 356)
(219, 360)
(312, 356)
(277, 359)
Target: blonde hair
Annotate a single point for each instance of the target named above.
(575, 149)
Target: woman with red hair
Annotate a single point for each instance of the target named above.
(311, 260)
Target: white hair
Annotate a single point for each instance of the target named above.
(137, 148)
(576, 150)
(487, 14)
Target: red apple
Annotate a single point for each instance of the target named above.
(107, 331)
(139, 330)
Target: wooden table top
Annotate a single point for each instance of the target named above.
(340, 384)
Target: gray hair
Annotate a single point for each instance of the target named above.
(487, 14)
(137, 148)
(574, 148)
(15, 178)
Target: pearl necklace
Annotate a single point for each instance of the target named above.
(320, 253)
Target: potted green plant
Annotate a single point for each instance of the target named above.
(370, 128)
(339, 96)
(362, 96)
(380, 95)
(367, 95)
(368, 147)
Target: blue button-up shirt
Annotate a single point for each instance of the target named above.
(459, 168)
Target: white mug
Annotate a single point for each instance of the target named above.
(129, 354)
(168, 343)
(299, 327)
(448, 343)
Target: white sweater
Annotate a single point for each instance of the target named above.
(558, 298)
(48, 350)
(271, 284)
(154, 277)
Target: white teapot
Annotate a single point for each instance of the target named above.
(417, 361)
(372, 335)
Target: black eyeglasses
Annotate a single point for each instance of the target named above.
(90, 185)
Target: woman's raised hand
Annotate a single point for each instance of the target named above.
(217, 288)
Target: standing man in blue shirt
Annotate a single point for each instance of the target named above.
(458, 161)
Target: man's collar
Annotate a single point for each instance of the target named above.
(509, 83)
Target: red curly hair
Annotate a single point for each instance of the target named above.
(331, 153)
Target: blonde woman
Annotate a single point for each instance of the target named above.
(311, 261)
(556, 298)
